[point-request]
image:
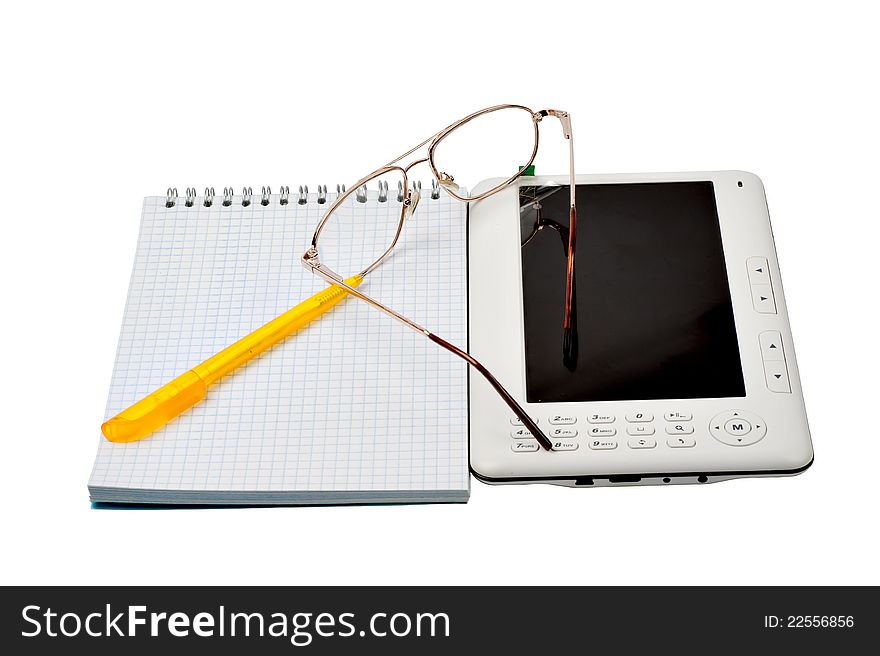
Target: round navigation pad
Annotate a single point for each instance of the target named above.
(738, 428)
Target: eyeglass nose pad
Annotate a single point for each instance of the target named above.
(413, 198)
(448, 182)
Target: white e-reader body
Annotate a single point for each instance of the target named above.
(684, 368)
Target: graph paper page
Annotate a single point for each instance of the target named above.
(353, 402)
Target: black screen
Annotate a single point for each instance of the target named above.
(653, 313)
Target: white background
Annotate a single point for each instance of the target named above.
(103, 104)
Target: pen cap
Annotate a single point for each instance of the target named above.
(155, 410)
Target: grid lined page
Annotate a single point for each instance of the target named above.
(352, 402)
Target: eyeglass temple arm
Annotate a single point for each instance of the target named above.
(565, 119)
(527, 421)
(568, 321)
(311, 261)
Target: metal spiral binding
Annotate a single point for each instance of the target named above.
(416, 187)
(302, 197)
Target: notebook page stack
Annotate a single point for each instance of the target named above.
(353, 408)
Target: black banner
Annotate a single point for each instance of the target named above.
(435, 620)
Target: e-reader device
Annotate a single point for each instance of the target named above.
(683, 368)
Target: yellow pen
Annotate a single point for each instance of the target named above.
(182, 393)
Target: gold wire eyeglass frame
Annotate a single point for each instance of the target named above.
(311, 258)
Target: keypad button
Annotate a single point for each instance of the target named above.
(681, 442)
(600, 419)
(771, 346)
(762, 299)
(565, 445)
(737, 427)
(557, 420)
(776, 375)
(679, 429)
(759, 271)
(638, 417)
(521, 433)
(527, 445)
(678, 416)
(603, 445)
(602, 431)
(516, 421)
(562, 432)
(640, 429)
(729, 428)
(642, 443)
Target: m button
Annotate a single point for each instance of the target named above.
(738, 427)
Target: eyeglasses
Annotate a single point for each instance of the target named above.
(499, 136)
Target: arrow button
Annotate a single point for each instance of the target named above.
(771, 345)
(762, 299)
(758, 271)
(777, 376)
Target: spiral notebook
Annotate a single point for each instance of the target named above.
(353, 408)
